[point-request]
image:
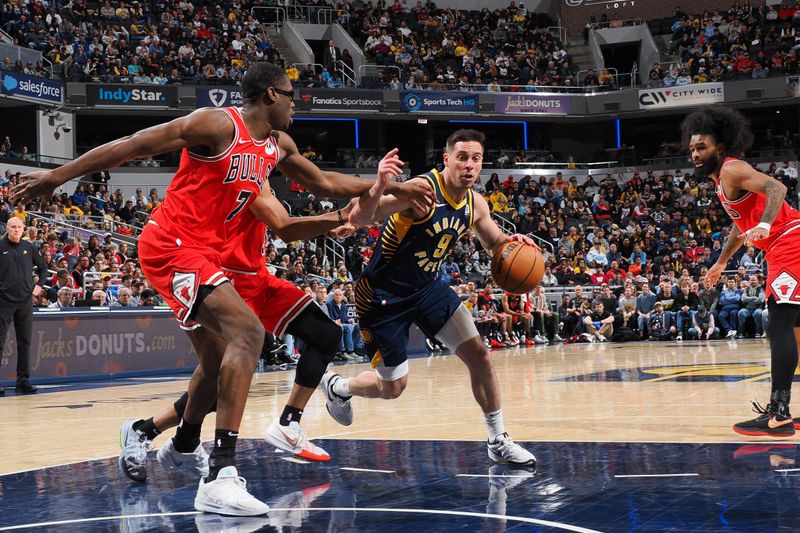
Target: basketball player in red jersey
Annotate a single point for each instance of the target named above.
(226, 159)
(716, 136)
(282, 308)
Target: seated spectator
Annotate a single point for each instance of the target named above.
(124, 298)
(63, 299)
(337, 310)
(545, 321)
(703, 325)
(753, 299)
(729, 304)
(658, 324)
(599, 323)
(645, 304)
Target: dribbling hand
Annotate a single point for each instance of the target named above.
(517, 237)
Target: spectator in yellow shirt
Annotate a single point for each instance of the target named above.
(501, 206)
(292, 73)
(20, 212)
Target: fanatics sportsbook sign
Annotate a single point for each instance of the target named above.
(340, 100)
(685, 95)
(131, 95)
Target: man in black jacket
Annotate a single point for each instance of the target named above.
(17, 259)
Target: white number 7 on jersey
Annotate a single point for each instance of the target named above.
(241, 201)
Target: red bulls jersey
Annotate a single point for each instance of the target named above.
(746, 213)
(207, 193)
(245, 247)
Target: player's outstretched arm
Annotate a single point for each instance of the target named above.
(489, 233)
(338, 185)
(271, 211)
(206, 127)
(741, 175)
(364, 210)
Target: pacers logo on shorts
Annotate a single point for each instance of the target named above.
(366, 335)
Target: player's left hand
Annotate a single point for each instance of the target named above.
(343, 231)
(754, 234)
(518, 237)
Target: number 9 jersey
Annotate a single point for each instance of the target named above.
(409, 252)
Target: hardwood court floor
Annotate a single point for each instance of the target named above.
(638, 392)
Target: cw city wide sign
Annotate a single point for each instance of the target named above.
(531, 104)
(608, 4)
(433, 101)
(685, 95)
(340, 100)
(219, 96)
(131, 95)
(33, 88)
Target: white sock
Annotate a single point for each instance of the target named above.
(341, 387)
(494, 422)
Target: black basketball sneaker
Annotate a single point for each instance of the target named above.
(774, 420)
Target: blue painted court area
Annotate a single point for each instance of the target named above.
(406, 486)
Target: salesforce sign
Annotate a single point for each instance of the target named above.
(32, 88)
(132, 95)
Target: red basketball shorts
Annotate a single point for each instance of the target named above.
(177, 270)
(783, 272)
(276, 302)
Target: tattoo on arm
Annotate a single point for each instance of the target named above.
(775, 194)
(732, 244)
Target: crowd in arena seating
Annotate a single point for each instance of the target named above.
(149, 42)
(744, 42)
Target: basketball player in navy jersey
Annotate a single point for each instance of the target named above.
(401, 285)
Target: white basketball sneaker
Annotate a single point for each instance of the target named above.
(340, 409)
(228, 495)
(133, 452)
(292, 439)
(505, 451)
(195, 462)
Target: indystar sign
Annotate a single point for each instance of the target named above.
(132, 95)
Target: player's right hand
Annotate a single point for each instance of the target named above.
(713, 274)
(419, 193)
(39, 184)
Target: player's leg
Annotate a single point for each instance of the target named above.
(136, 436)
(321, 337)
(224, 312)
(775, 420)
(457, 332)
(385, 333)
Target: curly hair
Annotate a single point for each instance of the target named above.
(727, 126)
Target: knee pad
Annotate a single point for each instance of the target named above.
(321, 337)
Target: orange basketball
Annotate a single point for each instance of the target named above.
(517, 267)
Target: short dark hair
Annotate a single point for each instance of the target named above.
(259, 77)
(464, 136)
(728, 127)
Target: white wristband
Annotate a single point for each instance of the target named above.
(763, 225)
